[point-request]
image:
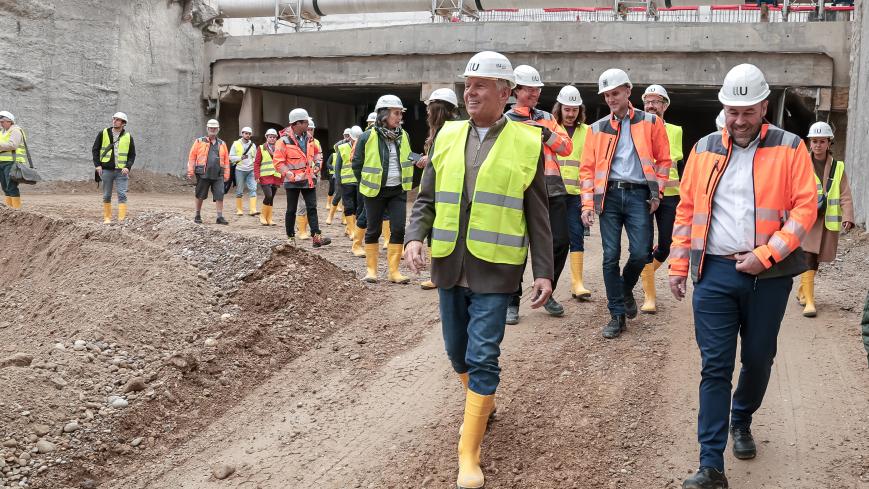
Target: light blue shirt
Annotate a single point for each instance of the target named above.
(626, 165)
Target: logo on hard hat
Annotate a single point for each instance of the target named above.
(474, 66)
(740, 91)
(604, 83)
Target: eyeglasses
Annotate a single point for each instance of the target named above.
(654, 102)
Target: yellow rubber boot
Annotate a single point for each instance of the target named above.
(239, 206)
(343, 219)
(428, 284)
(801, 296)
(393, 257)
(577, 288)
(264, 217)
(302, 225)
(358, 249)
(809, 292)
(271, 217)
(122, 212)
(387, 232)
(464, 379)
(331, 215)
(16, 202)
(372, 251)
(8, 201)
(253, 210)
(328, 204)
(340, 207)
(107, 213)
(650, 304)
(477, 409)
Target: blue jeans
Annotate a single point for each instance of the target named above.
(473, 327)
(730, 304)
(575, 229)
(116, 179)
(245, 179)
(628, 209)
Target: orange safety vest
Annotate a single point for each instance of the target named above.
(785, 198)
(559, 144)
(294, 165)
(199, 156)
(652, 146)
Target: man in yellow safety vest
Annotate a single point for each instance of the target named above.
(114, 153)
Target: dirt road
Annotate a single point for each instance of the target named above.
(376, 405)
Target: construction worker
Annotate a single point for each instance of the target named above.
(656, 101)
(301, 212)
(382, 166)
(569, 113)
(12, 150)
(361, 217)
(241, 156)
(625, 164)
(295, 159)
(482, 200)
(335, 193)
(114, 153)
(350, 187)
(209, 162)
(747, 199)
(835, 212)
(267, 176)
(556, 143)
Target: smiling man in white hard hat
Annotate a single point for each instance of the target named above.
(625, 164)
(242, 155)
(483, 201)
(748, 198)
(12, 150)
(301, 211)
(114, 153)
(209, 163)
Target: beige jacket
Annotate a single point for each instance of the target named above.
(15, 139)
(820, 240)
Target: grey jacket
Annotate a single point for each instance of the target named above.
(460, 266)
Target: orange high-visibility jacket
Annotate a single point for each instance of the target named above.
(294, 165)
(785, 198)
(652, 146)
(199, 156)
(559, 144)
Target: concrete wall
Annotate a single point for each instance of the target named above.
(68, 65)
(858, 119)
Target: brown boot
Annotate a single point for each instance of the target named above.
(318, 240)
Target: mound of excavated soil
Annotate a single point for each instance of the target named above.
(120, 341)
(141, 181)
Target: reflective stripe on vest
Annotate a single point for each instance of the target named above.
(373, 168)
(123, 149)
(674, 134)
(17, 156)
(347, 176)
(833, 214)
(267, 165)
(570, 164)
(497, 231)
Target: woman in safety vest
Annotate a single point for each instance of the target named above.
(268, 177)
(384, 170)
(835, 211)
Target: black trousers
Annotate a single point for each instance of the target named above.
(560, 241)
(269, 192)
(392, 200)
(310, 196)
(665, 216)
(331, 187)
(228, 184)
(349, 198)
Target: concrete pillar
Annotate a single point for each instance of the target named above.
(858, 118)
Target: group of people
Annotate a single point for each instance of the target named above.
(749, 209)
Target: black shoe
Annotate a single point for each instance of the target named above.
(630, 305)
(615, 327)
(221, 220)
(512, 315)
(197, 219)
(553, 307)
(706, 478)
(744, 447)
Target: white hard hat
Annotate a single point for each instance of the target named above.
(489, 64)
(445, 94)
(271, 132)
(657, 90)
(527, 76)
(719, 121)
(569, 96)
(389, 102)
(311, 124)
(7, 115)
(743, 86)
(212, 123)
(120, 115)
(371, 117)
(612, 78)
(355, 132)
(346, 131)
(246, 129)
(297, 115)
(820, 130)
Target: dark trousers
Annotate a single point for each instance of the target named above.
(10, 187)
(229, 183)
(269, 192)
(350, 194)
(560, 242)
(339, 192)
(393, 200)
(665, 216)
(331, 187)
(628, 209)
(729, 304)
(310, 196)
(575, 228)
